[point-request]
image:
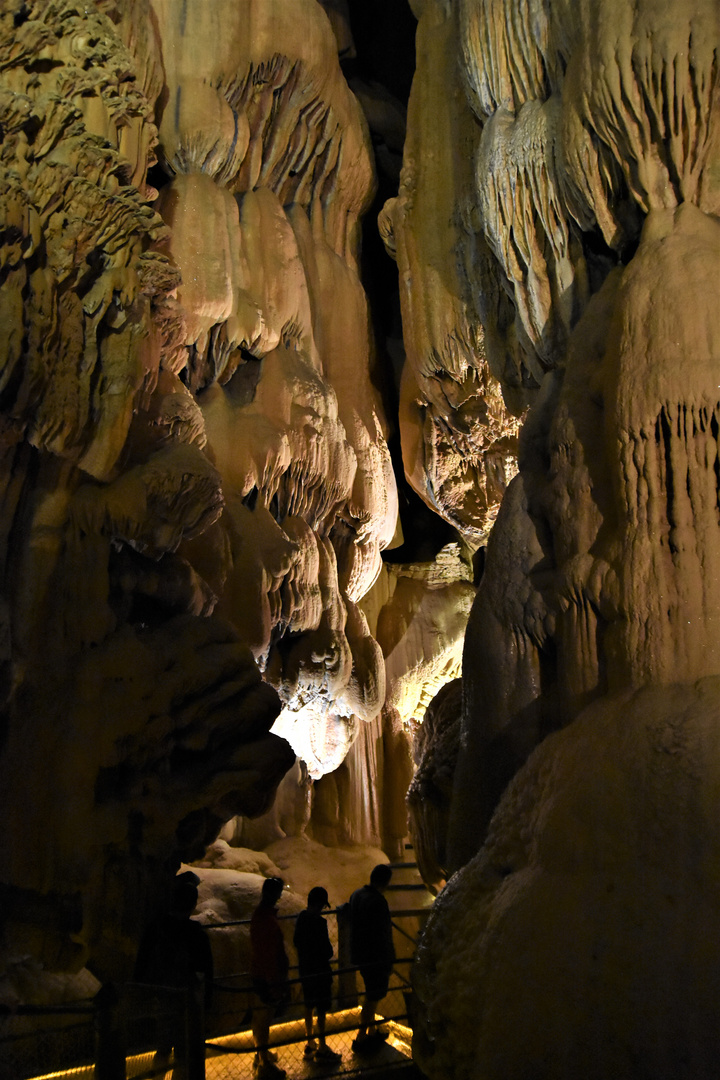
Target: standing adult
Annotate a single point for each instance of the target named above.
(372, 950)
(269, 973)
(312, 941)
(175, 953)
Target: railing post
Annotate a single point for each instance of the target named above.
(110, 1049)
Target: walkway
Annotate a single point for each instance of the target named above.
(230, 1056)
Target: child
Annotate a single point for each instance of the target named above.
(314, 951)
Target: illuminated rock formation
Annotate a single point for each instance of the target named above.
(561, 949)
(459, 441)
(271, 169)
(607, 524)
(135, 721)
(418, 612)
(596, 889)
(195, 481)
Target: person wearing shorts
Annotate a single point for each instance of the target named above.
(376, 978)
(314, 950)
(269, 972)
(372, 950)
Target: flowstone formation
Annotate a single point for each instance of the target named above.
(418, 612)
(581, 940)
(270, 167)
(590, 212)
(459, 440)
(134, 719)
(196, 485)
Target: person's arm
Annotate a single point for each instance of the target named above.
(328, 944)
(389, 941)
(283, 962)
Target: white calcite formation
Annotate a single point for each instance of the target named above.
(418, 612)
(422, 627)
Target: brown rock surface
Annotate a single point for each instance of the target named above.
(458, 438)
(570, 945)
(195, 481)
(581, 940)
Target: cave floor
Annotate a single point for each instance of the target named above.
(230, 1057)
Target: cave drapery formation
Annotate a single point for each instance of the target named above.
(197, 483)
(197, 488)
(571, 777)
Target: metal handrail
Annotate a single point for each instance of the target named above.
(250, 988)
(404, 933)
(399, 914)
(82, 1007)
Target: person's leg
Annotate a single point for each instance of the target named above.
(321, 1024)
(367, 1017)
(376, 979)
(261, 1032)
(180, 1046)
(311, 1045)
(196, 1041)
(325, 1052)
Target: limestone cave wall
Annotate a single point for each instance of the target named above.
(565, 783)
(195, 474)
(229, 504)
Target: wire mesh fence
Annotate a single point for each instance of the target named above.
(35, 1039)
(231, 1056)
(142, 1032)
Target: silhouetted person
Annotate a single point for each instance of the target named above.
(372, 950)
(175, 952)
(314, 950)
(269, 971)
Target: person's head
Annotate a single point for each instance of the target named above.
(272, 888)
(380, 876)
(318, 898)
(185, 893)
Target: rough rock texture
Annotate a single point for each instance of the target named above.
(196, 488)
(195, 485)
(581, 940)
(112, 683)
(418, 613)
(601, 570)
(435, 750)
(459, 441)
(578, 942)
(271, 168)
